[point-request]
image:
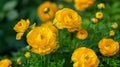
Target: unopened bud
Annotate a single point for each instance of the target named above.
(46, 10)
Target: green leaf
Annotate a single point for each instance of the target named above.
(10, 5)
(116, 5)
(85, 23)
(13, 14)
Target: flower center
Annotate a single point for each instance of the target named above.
(46, 10)
(82, 33)
(41, 36)
(86, 57)
(20, 24)
(109, 46)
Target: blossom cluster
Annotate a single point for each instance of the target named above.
(43, 39)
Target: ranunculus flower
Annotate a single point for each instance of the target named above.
(46, 10)
(99, 15)
(5, 63)
(83, 4)
(67, 18)
(42, 40)
(82, 34)
(108, 47)
(21, 26)
(49, 25)
(84, 57)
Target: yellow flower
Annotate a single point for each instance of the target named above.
(19, 61)
(19, 35)
(27, 54)
(21, 26)
(42, 40)
(49, 25)
(5, 63)
(94, 20)
(112, 33)
(67, 18)
(84, 57)
(82, 34)
(115, 26)
(99, 15)
(51, 9)
(108, 47)
(83, 4)
(101, 5)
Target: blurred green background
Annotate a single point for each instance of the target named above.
(11, 11)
